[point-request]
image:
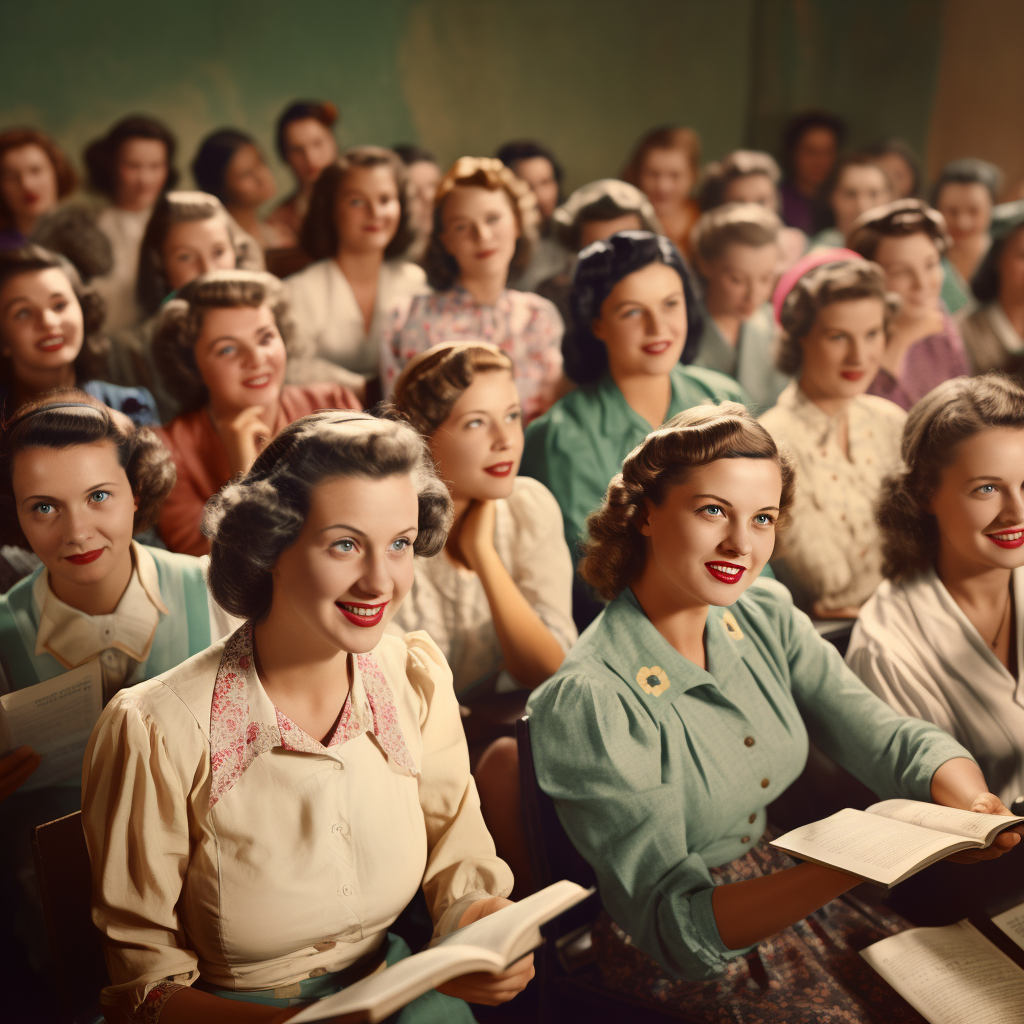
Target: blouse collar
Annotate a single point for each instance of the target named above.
(73, 637)
(244, 722)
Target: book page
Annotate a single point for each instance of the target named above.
(56, 719)
(1011, 923)
(953, 820)
(865, 844)
(951, 975)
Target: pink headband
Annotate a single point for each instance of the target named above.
(815, 258)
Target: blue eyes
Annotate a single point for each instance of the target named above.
(43, 508)
(346, 545)
(717, 512)
(987, 489)
(712, 510)
(99, 496)
(763, 519)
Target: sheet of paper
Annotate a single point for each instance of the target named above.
(56, 719)
(953, 820)
(1011, 923)
(951, 975)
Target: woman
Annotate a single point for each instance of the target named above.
(357, 231)
(50, 335)
(484, 225)
(498, 599)
(685, 710)
(230, 166)
(994, 332)
(736, 253)
(422, 176)
(221, 346)
(34, 176)
(900, 165)
(835, 315)
(635, 310)
(132, 165)
(306, 143)
(312, 773)
(665, 165)
(964, 193)
(857, 184)
(810, 147)
(907, 239)
(941, 638)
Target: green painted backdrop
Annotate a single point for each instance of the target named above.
(461, 76)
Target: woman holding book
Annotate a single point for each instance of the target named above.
(686, 709)
(291, 788)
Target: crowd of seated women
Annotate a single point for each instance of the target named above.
(322, 494)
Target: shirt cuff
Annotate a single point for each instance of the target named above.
(703, 917)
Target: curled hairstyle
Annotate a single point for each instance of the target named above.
(320, 228)
(181, 323)
(491, 174)
(968, 171)
(59, 421)
(513, 153)
(614, 554)
(952, 413)
(898, 219)
(733, 224)
(30, 259)
(685, 140)
(18, 138)
(179, 208)
(430, 385)
(743, 163)
(842, 165)
(253, 520)
(303, 110)
(101, 156)
(822, 286)
(604, 199)
(601, 267)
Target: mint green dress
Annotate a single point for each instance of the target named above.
(956, 292)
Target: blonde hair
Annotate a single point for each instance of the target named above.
(733, 224)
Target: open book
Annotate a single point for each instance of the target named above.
(491, 944)
(892, 840)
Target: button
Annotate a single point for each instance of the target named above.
(322, 947)
(752, 819)
(338, 766)
(745, 839)
(347, 890)
(340, 827)
(765, 783)
(749, 741)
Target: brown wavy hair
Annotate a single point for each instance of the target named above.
(614, 554)
(431, 384)
(899, 219)
(17, 138)
(686, 140)
(491, 174)
(952, 413)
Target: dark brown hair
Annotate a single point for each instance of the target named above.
(303, 110)
(320, 229)
(614, 554)
(17, 138)
(101, 156)
(898, 219)
(952, 413)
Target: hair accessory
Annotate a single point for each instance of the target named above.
(813, 259)
(58, 405)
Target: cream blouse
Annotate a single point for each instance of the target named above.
(228, 845)
(832, 544)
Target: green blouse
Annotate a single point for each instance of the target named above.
(578, 445)
(660, 770)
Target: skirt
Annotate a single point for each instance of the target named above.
(810, 973)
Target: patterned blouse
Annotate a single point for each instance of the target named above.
(527, 327)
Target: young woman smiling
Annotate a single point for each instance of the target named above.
(685, 710)
(312, 772)
(221, 347)
(34, 176)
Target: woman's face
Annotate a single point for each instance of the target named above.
(1011, 269)
(28, 183)
(859, 188)
(195, 247)
(843, 349)
(479, 229)
(899, 173)
(814, 156)
(140, 173)
(76, 508)
(41, 324)
(979, 503)
(666, 177)
(967, 207)
(643, 322)
(913, 269)
(478, 448)
(539, 174)
(368, 210)
(352, 564)
(712, 535)
(247, 179)
(309, 147)
(241, 357)
(740, 281)
(753, 188)
(421, 181)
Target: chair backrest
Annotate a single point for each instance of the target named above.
(65, 883)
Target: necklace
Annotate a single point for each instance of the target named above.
(1002, 620)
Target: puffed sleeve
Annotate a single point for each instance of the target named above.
(134, 816)
(461, 863)
(599, 757)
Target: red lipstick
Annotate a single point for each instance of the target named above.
(655, 348)
(366, 614)
(726, 572)
(1008, 538)
(85, 558)
(851, 374)
(499, 469)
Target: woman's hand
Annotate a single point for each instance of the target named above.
(989, 803)
(15, 770)
(959, 782)
(243, 437)
(476, 536)
(489, 989)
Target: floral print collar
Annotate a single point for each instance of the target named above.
(244, 723)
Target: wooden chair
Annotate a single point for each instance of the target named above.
(65, 883)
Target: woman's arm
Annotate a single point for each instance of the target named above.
(959, 783)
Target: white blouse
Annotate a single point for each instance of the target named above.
(914, 646)
(448, 601)
(228, 844)
(832, 544)
(125, 229)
